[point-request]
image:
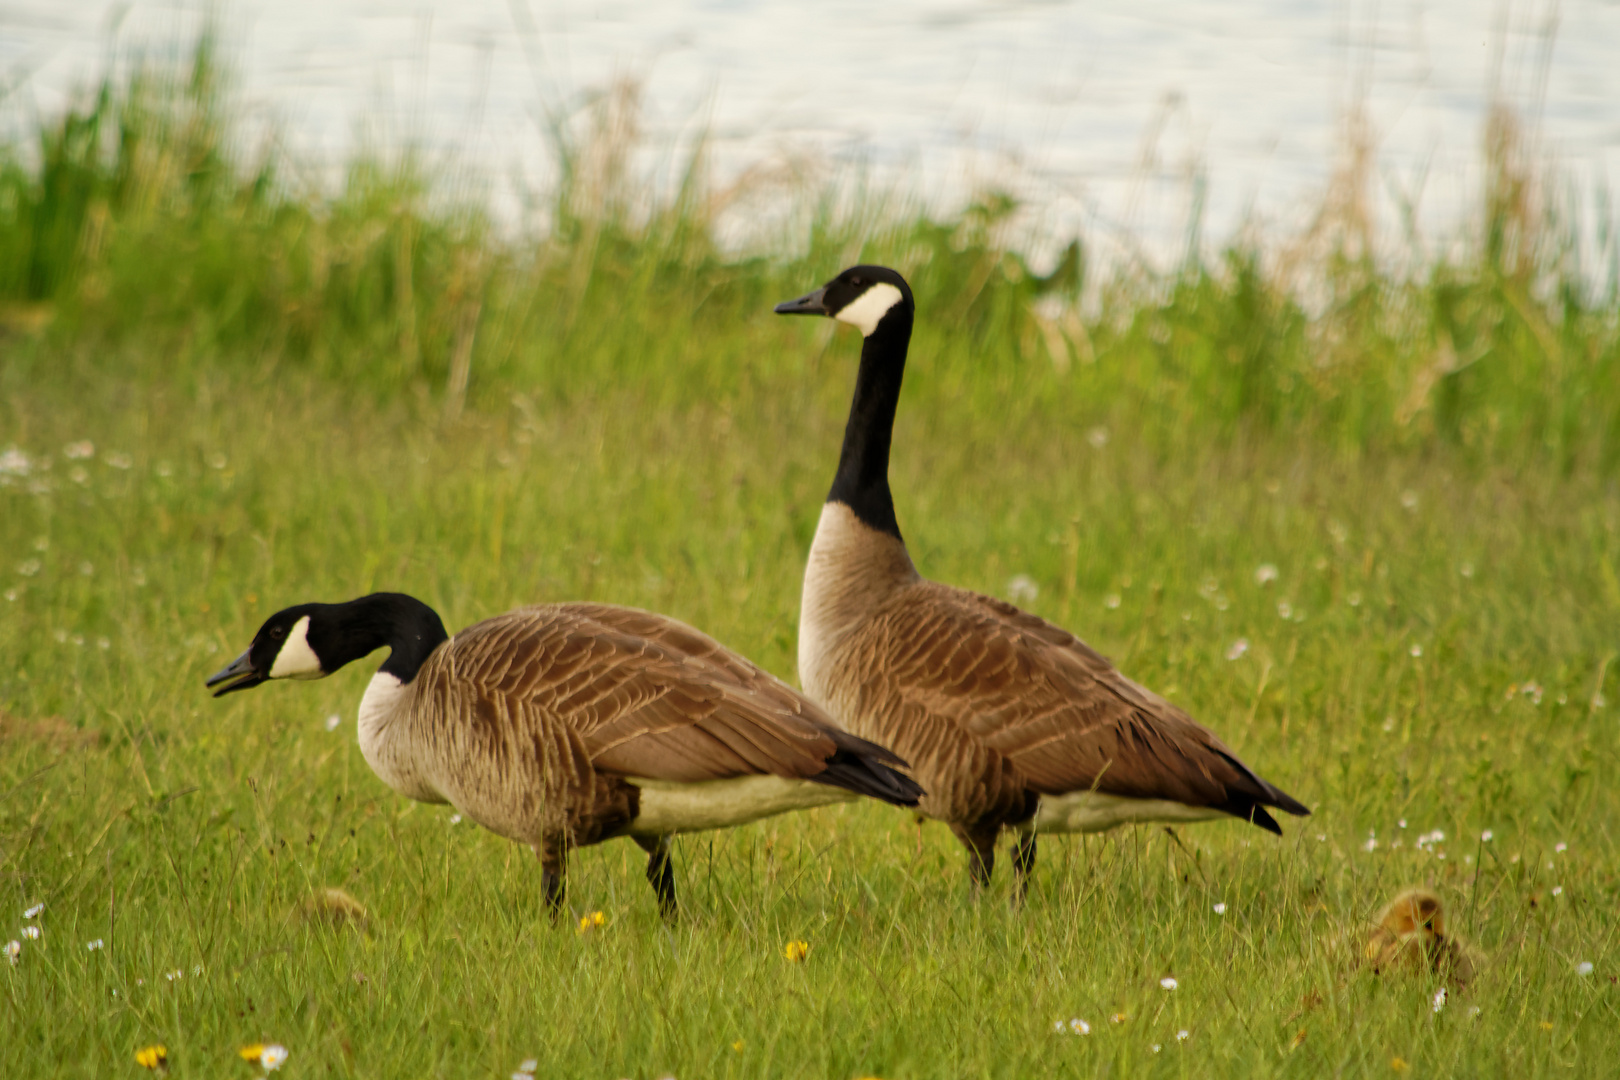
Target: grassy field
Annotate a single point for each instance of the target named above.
(188, 449)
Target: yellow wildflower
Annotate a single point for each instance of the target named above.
(1546, 1025)
(1399, 1064)
(152, 1057)
(252, 1052)
(590, 922)
(737, 1046)
(796, 951)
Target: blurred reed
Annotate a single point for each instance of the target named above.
(134, 229)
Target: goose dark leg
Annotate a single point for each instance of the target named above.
(1024, 862)
(553, 854)
(660, 874)
(980, 841)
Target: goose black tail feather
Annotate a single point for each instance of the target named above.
(859, 773)
(1241, 806)
(1261, 794)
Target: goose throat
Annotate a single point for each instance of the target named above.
(862, 480)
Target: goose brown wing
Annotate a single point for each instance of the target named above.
(1056, 709)
(649, 696)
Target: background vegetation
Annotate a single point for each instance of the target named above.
(222, 392)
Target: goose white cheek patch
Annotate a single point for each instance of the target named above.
(297, 660)
(866, 310)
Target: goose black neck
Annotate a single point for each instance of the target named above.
(409, 628)
(862, 480)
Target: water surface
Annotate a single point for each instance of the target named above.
(1101, 113)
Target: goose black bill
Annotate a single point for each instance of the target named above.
(239, 674)
(814, 303)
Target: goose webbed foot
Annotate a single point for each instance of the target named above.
(660, 874)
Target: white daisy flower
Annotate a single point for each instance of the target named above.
(1265, 574)
(1022, 589)
(13, 462)
(1220, 908)
(1584, 968)
(1439, 999)
(31, 933)
(13, 950)
(1237, 648)
(1079, 1026)
(273, 1057)
(1168, 982)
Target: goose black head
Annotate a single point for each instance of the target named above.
(311, 641)
(288, 646)
(863, 296)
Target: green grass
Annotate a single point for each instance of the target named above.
(186, 831)
(268, 403)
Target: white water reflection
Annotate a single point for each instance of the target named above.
(1101, 112)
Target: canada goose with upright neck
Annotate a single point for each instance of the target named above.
(1007, 720)
(565, 725)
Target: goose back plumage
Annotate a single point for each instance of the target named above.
(537, 721)
(993, 705)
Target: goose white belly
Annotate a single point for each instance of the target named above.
(670, 807)
(1093, 811)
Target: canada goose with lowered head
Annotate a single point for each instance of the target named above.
(1007, 720)
(569, 724)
